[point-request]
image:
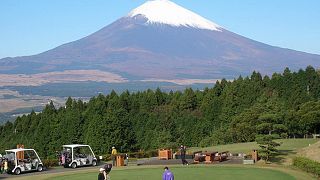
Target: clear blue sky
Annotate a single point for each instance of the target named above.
(32, 26)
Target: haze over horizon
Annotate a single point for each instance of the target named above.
(31, 27)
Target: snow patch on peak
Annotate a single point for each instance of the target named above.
(167, 12)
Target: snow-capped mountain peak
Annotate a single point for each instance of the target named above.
(167, 12)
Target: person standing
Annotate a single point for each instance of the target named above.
(5, 166)
(113, 155)
(167, 174)
(183, 150)
(1, 165)
(126, 160)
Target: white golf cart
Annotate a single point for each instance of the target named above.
(23, 160)
(77, 155)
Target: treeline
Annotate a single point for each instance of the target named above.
(286, 104)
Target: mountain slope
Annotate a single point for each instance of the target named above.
(164, 41)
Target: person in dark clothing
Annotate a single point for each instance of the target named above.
(107, 169)
(1, 165)
(183, 150)
(101, 175)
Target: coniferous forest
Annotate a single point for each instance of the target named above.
(286, 104)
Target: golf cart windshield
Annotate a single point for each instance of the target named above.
(67, 149)
(10, 156)
(29, 155)
(82, 152)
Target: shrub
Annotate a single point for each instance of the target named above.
(275, 136)
(218, 137)
(143, 154)
(50, 163)
(107, 157)
(140, 154)
(307, 165)
(152, 153)
(135, 155)
(284, 135)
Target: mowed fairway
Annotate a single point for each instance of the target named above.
(189, 173)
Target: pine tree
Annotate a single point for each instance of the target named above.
(268, 147)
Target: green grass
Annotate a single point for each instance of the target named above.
(289, 145)
(189, 173)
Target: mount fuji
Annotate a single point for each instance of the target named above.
(161, 41)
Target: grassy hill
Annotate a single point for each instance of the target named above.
(290, 145)
(311, 152)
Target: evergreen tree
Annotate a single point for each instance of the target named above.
(268, 147)
(286, 104)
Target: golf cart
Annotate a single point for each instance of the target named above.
(77, 155)
(23, 160)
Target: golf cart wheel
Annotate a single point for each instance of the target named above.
(17, 171)
(94, 163)
(40, 168)
(74, 165)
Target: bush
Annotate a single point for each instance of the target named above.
(106, 157)
(218, 137)
(135, 155)
(143, 154)
(307, 165)
(140, 154)
(50, 163)
(152, 153)
(276, 136)
(284, 135)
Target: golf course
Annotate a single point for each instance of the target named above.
(189, 173)
(279, 168)
(192, 172)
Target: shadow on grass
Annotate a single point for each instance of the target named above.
(282, 155)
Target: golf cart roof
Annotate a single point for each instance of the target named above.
(19, 150)
(75, 145)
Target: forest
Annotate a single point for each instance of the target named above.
(285, 104)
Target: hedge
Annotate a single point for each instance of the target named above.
(48, 163)
(307, 165)
(136, 155)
